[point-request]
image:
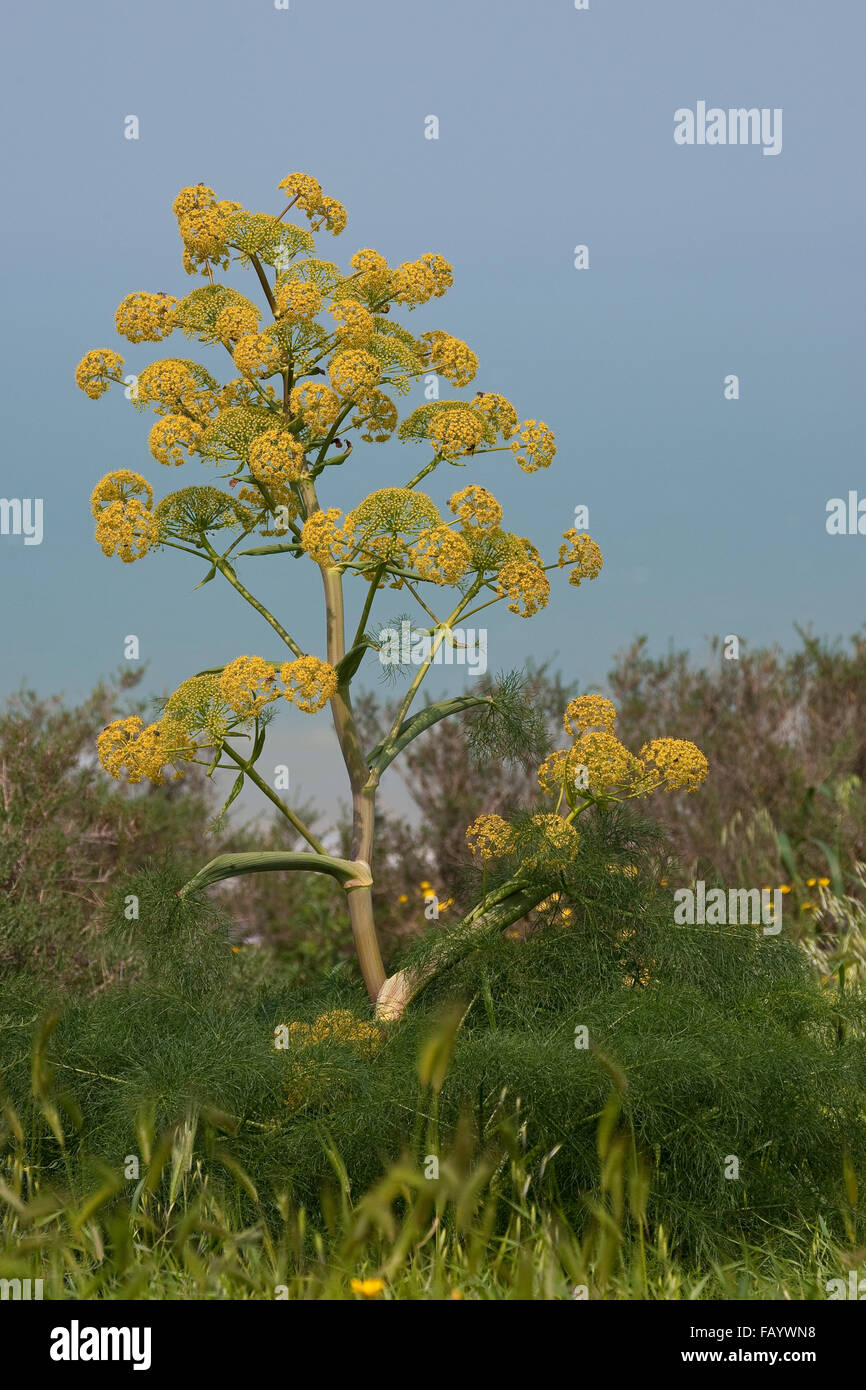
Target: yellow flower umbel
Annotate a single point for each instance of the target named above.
(257, 355)
(559, 843)
(337, 1026)
(316, 403)
(379, 413)
(198, 707)
(499, 411)
(673, 764)
(489, 836)
(168, 386)
(354, 372)
(534, 446)
(598, 765)
(412, 283)
(371, 272)
(169, 437)
(240, 319)
(582, 554)
(97, 370)
(611, 768)
(126, 746)
(526, 585)
(145, 318)
(125, 525)
(325, 540)
(440, 555)
(298, 300)
(476, 508)
(451, 357)
(303, 191)
(589, 712)
(454, 433)
(355, 326)
(248, 684)
(310, 683)
(276, 457)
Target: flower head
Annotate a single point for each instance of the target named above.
(475, 507)
(353, 372)
(256, 355)
(310, 683)
(355, 326)
(378, 413)
(441, 555)
(145, 318)
(589, 712)
(317, 403)
(582, 552)
(276, 456)
(324, 539)
(96, 371)
(526, 584)
(499, 411)
(247, 685)
(170, 435)
(489, 836)
(451, 357)
(534, 446)
(456, 432)
(674, 764)
(298, 300)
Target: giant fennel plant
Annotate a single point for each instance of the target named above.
(316, 367)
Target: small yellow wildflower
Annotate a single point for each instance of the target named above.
(368, 1288)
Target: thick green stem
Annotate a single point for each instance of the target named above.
(493, 914)
(362, 780)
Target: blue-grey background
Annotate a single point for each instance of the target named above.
(556, 128)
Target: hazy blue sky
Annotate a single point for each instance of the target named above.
(556, 128)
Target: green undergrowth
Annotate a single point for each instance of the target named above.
(652, 1106)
